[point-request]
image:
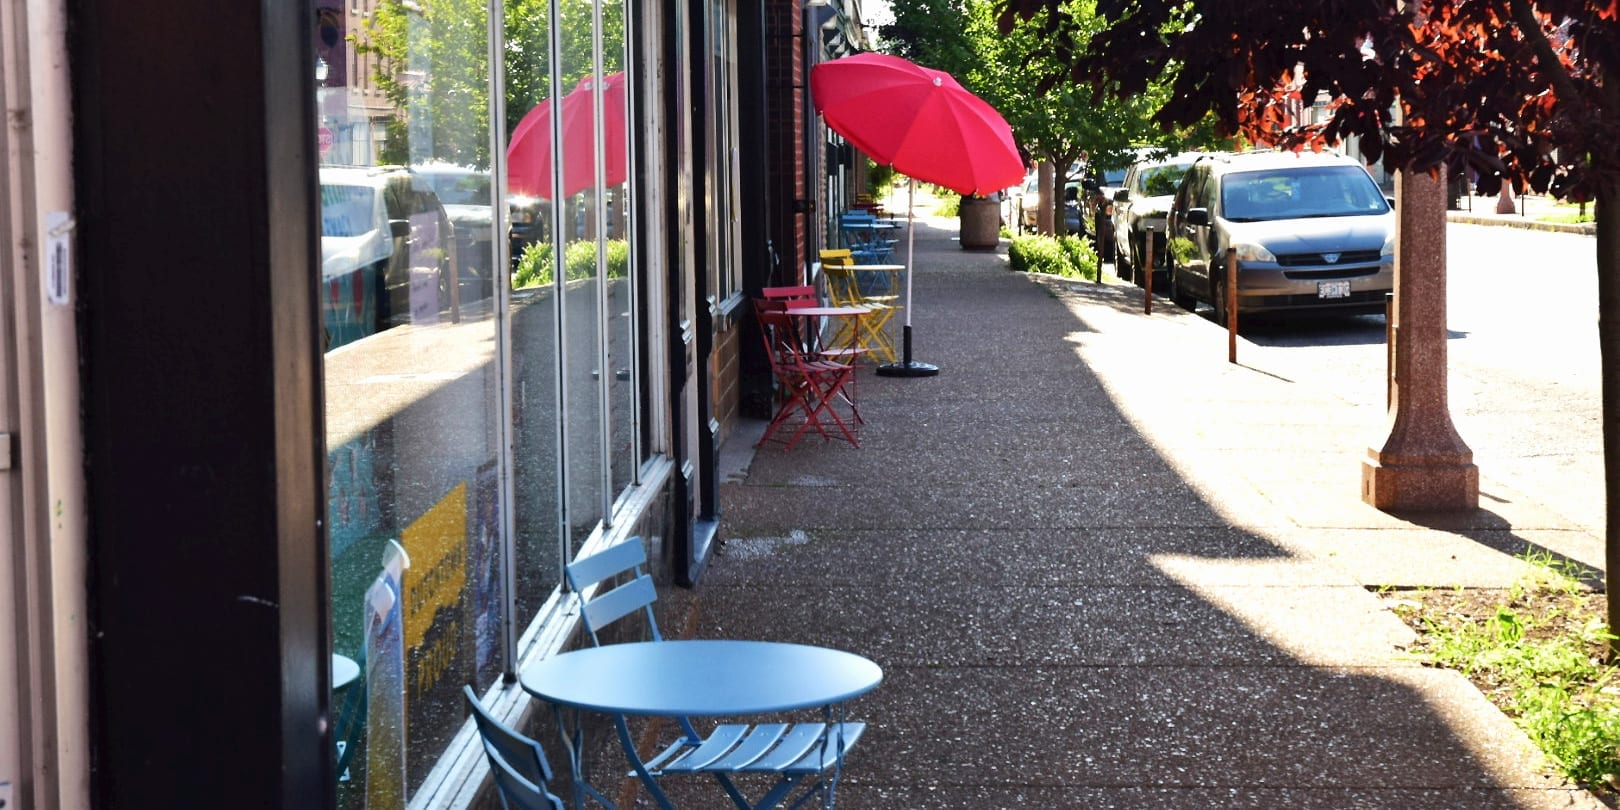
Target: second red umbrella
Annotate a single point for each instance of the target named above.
(529, 153)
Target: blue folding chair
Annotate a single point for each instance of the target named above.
(516, 762)
(862, 238)
(798, 753)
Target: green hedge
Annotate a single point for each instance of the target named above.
(535, 267)
(1069, 256)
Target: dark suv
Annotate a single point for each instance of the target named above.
(1311, 232)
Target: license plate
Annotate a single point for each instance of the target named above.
(1332, 289)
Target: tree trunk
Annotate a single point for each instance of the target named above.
(1043, 219)
(1606, 215)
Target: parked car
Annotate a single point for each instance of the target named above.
(1142, 207)
(530, 222)
(357, 241)
(1071, 209)
(1310, 231)
(1028, 203)
(466, 195)
(379, 229)
(1099, 186)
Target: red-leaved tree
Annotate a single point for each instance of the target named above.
(1522, 91)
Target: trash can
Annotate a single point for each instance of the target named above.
(980, 222)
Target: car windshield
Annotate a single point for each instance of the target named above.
(1300, 193)
(459, 189)
(348, 210)
(1161, 181)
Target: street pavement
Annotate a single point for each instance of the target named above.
(1102, 567)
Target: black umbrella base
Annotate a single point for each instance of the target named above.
(907, 367)
(910, 368)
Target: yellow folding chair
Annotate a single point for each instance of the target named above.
(869, 331)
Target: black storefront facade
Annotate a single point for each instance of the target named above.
(288, 423)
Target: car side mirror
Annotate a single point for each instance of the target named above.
(1123, 195)
(399, 228)
(1198, 217)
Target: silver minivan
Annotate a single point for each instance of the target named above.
(1311, 231)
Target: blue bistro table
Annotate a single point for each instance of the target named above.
(707, 678)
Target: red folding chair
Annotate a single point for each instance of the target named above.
(789, 293)
(810, 386)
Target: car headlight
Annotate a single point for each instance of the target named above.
(1248, 252)
(1388, 249)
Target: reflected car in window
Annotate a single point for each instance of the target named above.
(384, 256)
(466, 196)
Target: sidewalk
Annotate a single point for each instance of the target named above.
(1527, 213)
(1100, 570)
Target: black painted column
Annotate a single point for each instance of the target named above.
(197, 271)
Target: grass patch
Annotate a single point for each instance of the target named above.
(1539, 651)
(1566, 217)
(1568, 214)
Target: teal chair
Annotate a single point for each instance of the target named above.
(798, 754)
(517, 763)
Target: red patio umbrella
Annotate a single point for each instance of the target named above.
(924, 124)
(528, 155)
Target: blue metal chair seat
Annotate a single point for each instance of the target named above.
(800, 754)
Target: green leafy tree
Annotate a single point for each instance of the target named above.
(432, 64)
(1060, 122)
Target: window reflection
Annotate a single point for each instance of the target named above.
(411, 379)
(536, 456)
(411, 285)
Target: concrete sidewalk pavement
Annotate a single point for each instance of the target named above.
(1101, 570)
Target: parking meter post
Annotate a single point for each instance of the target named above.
(1231, 305)
(1147, 280)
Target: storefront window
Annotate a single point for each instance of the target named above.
(413, 417)
(537, 499)
(480, 408)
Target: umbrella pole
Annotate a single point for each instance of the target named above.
(907, 367)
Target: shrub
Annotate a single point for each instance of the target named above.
(950, 204)
(1071, 256)
(1081, 255)
(535, 267)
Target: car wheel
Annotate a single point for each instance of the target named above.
(1122, 267)
(1217, 298)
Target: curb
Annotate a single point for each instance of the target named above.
(1585, 228)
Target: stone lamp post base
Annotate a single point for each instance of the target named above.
(1425, 485)
(1423, 465)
